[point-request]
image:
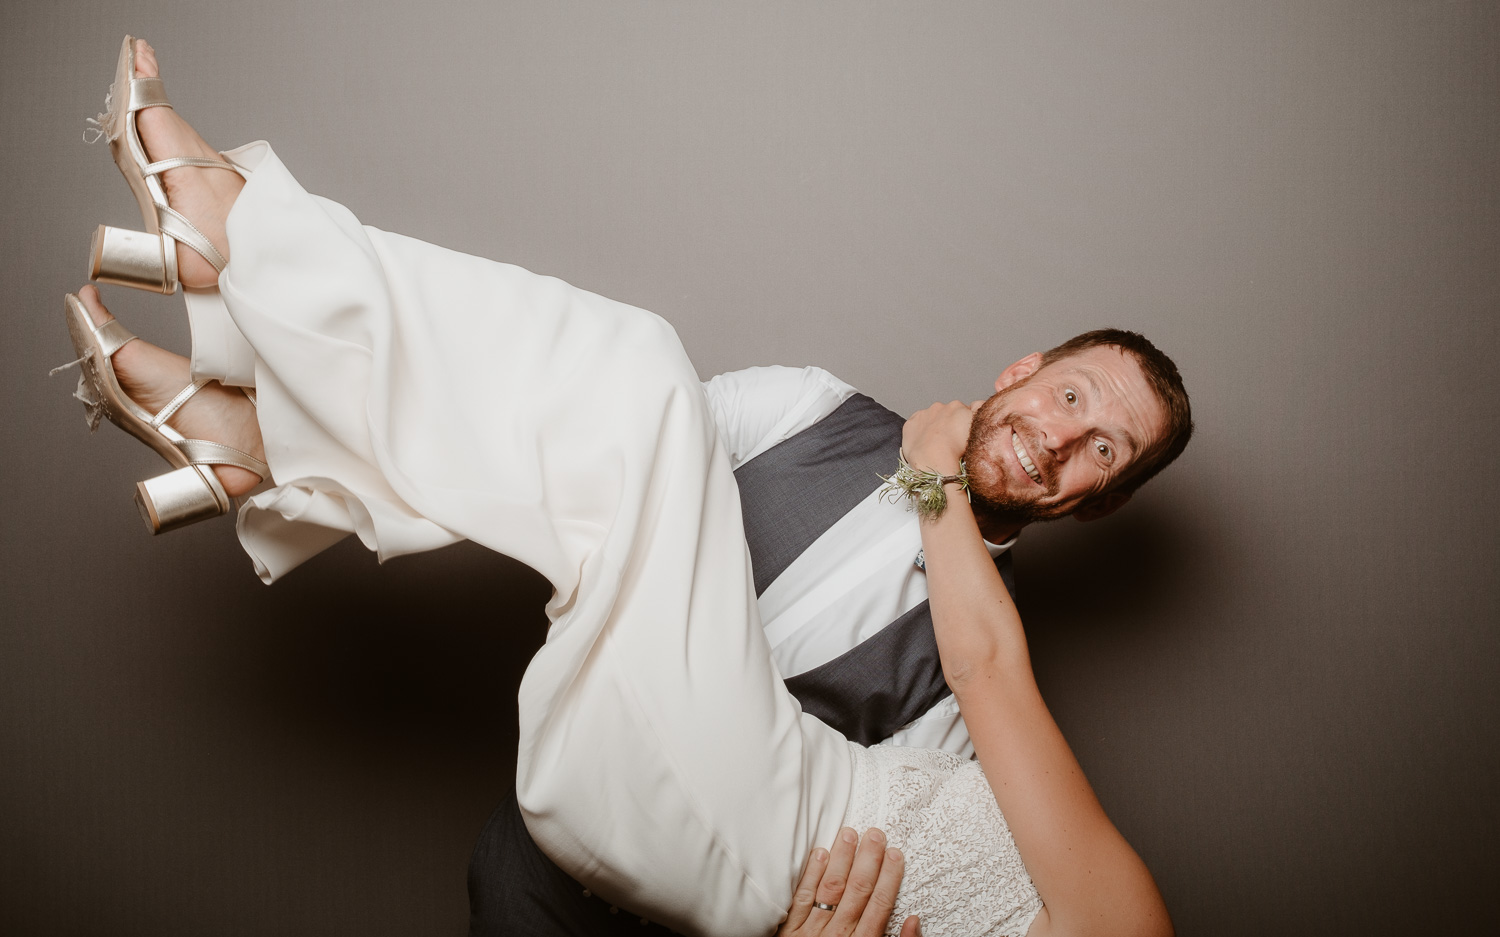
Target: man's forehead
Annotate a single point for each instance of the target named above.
(1117, 377)
(1096, 354)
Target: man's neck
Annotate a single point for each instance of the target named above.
(994, 529)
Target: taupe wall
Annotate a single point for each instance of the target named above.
(1277, 666)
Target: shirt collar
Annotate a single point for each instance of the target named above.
(998, 548)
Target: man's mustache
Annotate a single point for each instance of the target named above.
(995, 432)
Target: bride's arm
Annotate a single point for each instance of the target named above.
(1089, 878)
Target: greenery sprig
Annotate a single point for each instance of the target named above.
(923, 490)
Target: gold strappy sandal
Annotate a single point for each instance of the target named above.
(144, 260)
(192, 491)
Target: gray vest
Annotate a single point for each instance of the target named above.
(793, 492)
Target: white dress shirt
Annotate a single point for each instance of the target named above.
(861, 574)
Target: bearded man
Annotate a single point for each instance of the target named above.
(837, 558)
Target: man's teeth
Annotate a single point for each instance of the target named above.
(1026, 463)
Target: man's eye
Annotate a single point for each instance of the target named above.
(1104, 449)
(1071, 397)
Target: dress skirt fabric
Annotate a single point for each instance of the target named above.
(416, 396)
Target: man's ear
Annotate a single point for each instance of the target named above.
(1102, 506)
(1019, 371)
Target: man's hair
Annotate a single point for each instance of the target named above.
(1162, 376)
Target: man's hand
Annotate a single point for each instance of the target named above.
(934, 439)
(860, 885)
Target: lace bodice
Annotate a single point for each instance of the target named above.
(963, 873)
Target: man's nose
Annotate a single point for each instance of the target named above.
(1063, 436)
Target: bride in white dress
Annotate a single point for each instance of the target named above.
(415, 396)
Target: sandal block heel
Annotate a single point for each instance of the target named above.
(179, 498)
(132, 258)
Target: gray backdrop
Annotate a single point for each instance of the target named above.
(1276, 666)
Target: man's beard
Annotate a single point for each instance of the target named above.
(989, 443)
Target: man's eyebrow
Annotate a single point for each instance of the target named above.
(1124, 431)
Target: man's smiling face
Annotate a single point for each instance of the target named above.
(1056, 440)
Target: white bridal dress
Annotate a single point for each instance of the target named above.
(415, 396)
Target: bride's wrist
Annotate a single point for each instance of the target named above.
(926, 491)
(952, 465)
(940, 460)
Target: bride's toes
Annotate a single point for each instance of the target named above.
(127, 360)
(95, 306)
(149, 375)
(145, 60)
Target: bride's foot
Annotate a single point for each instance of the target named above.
(152, 376)
(204, 196)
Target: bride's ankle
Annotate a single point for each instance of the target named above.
(226, 415)
(237, 482)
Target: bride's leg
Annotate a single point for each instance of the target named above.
(415, 395)
(661, 760)
(152, 376)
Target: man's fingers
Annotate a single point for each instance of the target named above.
(807, 890)
(883, 897)
(836, 875)
(862, 878)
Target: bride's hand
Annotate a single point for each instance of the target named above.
(934, 439)
(860, 885)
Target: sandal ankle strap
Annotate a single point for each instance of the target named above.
(175, 404)
(207, 452)
(204, 451)
(179, 162)
(173, 224)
